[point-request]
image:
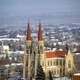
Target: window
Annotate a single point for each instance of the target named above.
(48, 63)
(60, 62)
(51, 62)
(63, 62)
(42, 63)
(60, 71)
(69, 64)
(57, 62)
(54, 62)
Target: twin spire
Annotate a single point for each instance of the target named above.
(29, 32)
(40, 32)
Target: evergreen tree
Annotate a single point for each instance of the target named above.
(40, 73)
(50, 76)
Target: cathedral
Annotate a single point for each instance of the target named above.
(58, 62)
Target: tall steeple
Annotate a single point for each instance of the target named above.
(28, 53)
(40, 42)
(29, 32)
(40, 38)
(39, 49)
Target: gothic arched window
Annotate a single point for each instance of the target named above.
(69, 64)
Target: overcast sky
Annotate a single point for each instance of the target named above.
(9, 9)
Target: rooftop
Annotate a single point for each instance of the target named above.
(53, 54)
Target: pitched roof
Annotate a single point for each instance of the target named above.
(53, 54)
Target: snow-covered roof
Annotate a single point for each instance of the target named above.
(5, 47)
(16, 52)
(77, 74)
(20, 36)
(9, 39)
(77, 54)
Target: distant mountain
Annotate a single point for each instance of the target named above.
(18, 22)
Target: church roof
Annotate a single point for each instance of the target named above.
(53, 54)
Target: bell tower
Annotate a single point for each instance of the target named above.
(40, 43)
(27, 54)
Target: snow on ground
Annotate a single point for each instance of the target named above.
(62, 78)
